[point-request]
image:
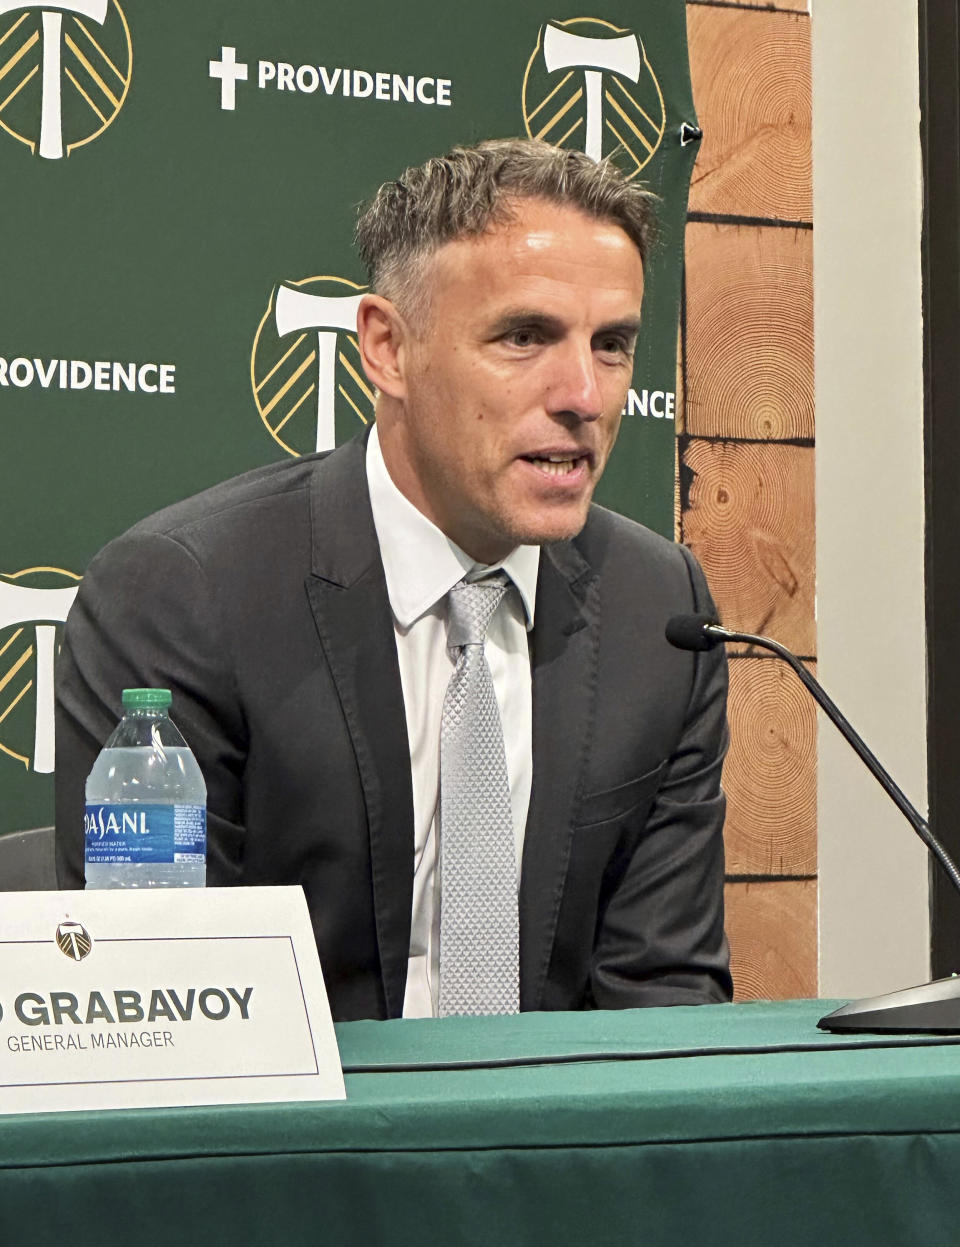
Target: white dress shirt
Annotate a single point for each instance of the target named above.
(421, 566)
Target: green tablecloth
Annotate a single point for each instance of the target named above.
(729, 1124)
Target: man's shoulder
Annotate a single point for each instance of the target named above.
(263, 489)
(610, 538)
(634, 565)
(261, 520)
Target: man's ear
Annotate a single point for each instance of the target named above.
(383, 336)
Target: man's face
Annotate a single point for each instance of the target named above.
(514, 386)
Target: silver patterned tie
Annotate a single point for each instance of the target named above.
(479, 926)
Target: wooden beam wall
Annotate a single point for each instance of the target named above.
(745, 458)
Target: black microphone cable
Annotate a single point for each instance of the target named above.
(702, 632)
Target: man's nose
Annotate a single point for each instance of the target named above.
(575, 388)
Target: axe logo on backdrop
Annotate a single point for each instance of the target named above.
(305, 366)
(33, 603)
(65, 72)
(589, 85)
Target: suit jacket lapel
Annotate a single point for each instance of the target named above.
(348, 595)
(565, 641)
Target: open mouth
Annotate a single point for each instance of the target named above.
(558, 465)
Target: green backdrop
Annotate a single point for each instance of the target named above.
(168, 169)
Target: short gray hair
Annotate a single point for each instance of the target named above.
(472, 189)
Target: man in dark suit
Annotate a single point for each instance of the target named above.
(298, 613)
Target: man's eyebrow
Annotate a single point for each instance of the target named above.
(629, 328)
(521, 318)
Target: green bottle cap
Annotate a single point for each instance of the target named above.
(147, 698)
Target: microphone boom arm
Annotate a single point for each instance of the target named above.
(718, 633)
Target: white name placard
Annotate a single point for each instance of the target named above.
(136, 999)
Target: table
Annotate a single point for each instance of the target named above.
(725, 1124)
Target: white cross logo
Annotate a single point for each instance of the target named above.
(230, 71)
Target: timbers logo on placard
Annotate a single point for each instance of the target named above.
(65, 72)
(589, 85)
(305, 368)
(33, 604)
(73, 940)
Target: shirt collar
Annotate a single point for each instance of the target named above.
(422, 564)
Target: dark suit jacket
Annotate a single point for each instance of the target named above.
(262, 605)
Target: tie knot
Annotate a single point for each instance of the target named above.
(470, 607)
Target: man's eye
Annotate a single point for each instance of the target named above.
(615, 346)
(523, 337)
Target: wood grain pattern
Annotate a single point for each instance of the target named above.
(749, 518)
(790, 6)
(770, 776)
(749, 332)
(750, 70)
(680, 381)
(746, 493)
(772, 928)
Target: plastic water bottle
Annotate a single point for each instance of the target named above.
(145, 824)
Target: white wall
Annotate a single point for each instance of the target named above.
(874, 923)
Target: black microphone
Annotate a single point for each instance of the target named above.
(925, 1009)
(690, 632)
